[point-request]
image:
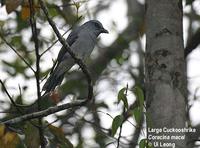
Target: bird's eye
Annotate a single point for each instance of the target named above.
(97, 25)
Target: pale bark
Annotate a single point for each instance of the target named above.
(166, 88)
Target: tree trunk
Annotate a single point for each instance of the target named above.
(165, 73)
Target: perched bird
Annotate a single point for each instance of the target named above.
(82, 41)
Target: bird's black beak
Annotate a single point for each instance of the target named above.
(104, 31)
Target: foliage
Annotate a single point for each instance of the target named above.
(189, 2)
(9, 139)
(122, 97)
(117, 122)
(145, 144)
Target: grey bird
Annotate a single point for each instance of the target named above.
(82, 41)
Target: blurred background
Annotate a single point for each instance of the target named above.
(117, 62)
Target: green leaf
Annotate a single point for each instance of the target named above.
(189, 2)
(32, 139)
(122, 97)
(2, 2)
(59, 137)
(121, 94)
(17, 65)
(137, 112)
(139, 95)
(145, 144)
(21, 24)
(2, 23)
(102, 104)
(117, 122)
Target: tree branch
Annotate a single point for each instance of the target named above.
(37, 72)
(194, 41)
(45, 112)
(9, 96)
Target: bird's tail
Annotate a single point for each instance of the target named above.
(57, 75)
(52, 82)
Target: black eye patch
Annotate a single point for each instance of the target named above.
(97, 25)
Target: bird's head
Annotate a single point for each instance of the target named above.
(95, 26)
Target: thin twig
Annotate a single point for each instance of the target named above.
(8, 112)
(118, 139)
(66, 116)
(20, 91)
(9, 96)
(54, 43)
(92, 123)
(17, 106)
(20, 56)
(67, 48)
(113, 118)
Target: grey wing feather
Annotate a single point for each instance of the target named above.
(73, 36)
(70, 40)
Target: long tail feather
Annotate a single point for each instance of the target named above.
(57, 75)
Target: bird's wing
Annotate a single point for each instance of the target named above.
(73, 36)
(70, 40)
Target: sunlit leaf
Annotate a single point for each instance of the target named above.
(8, 139)
(52, 12)
(117, 122)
